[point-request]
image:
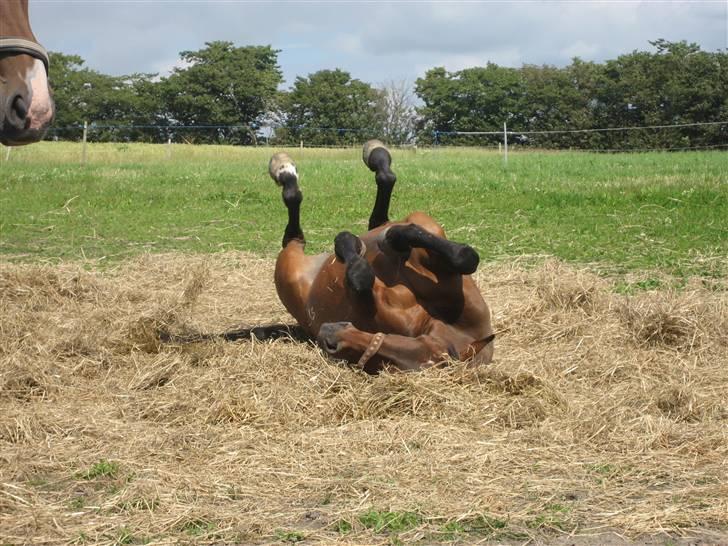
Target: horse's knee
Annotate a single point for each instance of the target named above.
(350, 250)
(426, 222)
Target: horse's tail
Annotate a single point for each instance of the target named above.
(286, 332)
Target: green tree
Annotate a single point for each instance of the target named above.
(223, 85)
(82, 94)
(588, 111)
(550, 101)
(329, 107)
(676, 84)
(474, 99)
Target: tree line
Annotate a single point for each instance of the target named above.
(224, 93)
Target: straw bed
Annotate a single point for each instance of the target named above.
(603, 417)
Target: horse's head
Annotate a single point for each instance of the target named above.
(26, 106)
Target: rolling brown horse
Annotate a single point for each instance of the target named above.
(26, 106)
(400, 294)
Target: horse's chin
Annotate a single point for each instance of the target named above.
(22, 138)
(34, 131)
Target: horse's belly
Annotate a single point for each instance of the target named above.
(389, 309)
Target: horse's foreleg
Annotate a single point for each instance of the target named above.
(292, 197)
(457, 257)
(378, 159)
(294, 270)
(370, 351)
(349, 249)
(283, 170)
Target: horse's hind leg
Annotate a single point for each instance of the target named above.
(294, 270)
(455, 256)
(350, 249)
(283, 171)
(379, 161)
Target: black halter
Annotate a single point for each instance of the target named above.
(9, 44)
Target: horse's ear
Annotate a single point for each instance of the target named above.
(477, 346)
(452, 352)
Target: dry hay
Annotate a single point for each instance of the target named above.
(602, 413)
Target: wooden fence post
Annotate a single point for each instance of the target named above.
(505, 145)
(83, 149)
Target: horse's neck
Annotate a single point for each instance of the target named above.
(14, 15)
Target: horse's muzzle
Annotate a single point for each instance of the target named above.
(328, 337)
(16, 125)
(26, 110)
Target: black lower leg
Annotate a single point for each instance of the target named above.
(359, 274)
(380, 161)
(380, 212)
(458, 257)
(292, 198)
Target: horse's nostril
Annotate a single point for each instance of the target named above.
(16, 113)
(327, 337)
(20, 108)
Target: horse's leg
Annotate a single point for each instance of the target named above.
(359, 275)
(283, 171)
(456, 257)
(379, 161)
(295, 271)
(292, 197)
(342, 340)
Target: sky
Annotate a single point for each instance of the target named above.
(377, 42)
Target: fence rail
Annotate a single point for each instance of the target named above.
(673, 139)
(594, 130)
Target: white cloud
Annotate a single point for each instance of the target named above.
(165, 67)
(504, 57)
(348, 43)
(374, 41)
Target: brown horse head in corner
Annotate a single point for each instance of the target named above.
(400, 294)
(26, 106)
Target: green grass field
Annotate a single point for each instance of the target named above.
(615, 213)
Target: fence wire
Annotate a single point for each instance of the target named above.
(663, 137)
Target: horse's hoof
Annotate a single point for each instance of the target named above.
(466, 260)
(359, 275)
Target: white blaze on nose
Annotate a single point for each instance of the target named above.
(41, 104)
